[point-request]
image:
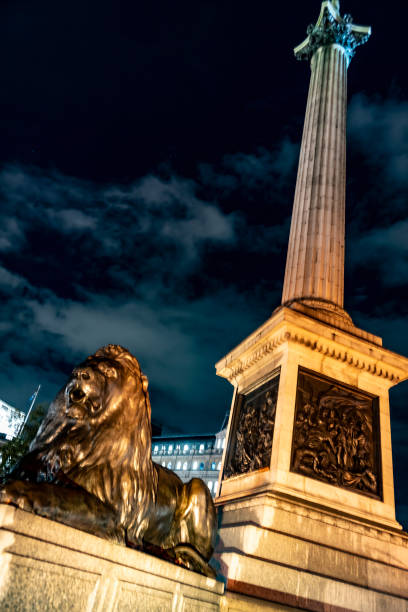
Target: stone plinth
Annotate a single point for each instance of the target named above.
(286, 343)
(48, 566)
(284, 552)
(295, 538)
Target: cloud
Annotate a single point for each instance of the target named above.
(9, 281)
(262, 181)
(254, 171)
(136, 264)
(386, 250)
(177, 346)
(377, 204)
(172, 208)
(159, 220)
(10, 234)
(379, 129)
(264, 166)
(69, 219)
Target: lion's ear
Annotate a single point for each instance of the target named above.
(145, 383)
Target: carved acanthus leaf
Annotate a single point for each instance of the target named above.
(332, 30)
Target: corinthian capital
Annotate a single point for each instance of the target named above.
(332, 29)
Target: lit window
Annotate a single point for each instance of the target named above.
(170, 449)
(201, 466)
(201, 448)
(219, 465)
(163, 447)
(218, 442)
(210, 484)
(155, 450)
(163, 463)
(169, 465)
(185, 465)
(223, 442)
(185, 448)
(195, 465)
(215, 488)
(178, 466)
(213, 466)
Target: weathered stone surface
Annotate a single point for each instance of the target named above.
(293, 554)
(47, 566)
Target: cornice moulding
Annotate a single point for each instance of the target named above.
(291, 327)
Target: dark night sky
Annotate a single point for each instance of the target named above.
(148, 160)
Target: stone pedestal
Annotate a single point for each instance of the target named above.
(47, 566)
(306, 498)
(353, 368)
(277, 551)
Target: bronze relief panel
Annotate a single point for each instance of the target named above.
(250, 444)
(336, 436)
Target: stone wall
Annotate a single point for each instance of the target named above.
(48, 566)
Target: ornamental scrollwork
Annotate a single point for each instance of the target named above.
(250, 445)
(335, 435)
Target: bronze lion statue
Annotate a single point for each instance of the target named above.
(90, 467)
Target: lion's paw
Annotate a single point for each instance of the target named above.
(188, 557)
(17, 493)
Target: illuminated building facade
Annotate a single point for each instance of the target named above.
(11, 420)
(191, 456)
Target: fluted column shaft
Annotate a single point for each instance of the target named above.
(315, 260)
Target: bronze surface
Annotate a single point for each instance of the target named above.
(250, 444)
(90, 467)
(336, 435)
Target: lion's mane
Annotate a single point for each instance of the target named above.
(108, 454)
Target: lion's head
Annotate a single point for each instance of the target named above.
(98, 433)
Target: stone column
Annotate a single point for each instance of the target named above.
(314, 273)
(306, 483)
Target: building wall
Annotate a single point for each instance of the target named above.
(11, 420)
(192, 456)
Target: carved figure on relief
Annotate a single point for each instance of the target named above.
(333, 436)
(251, 445)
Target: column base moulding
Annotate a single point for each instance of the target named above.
(272, 596)
(276, 551)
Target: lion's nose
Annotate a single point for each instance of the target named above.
(76, 394)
